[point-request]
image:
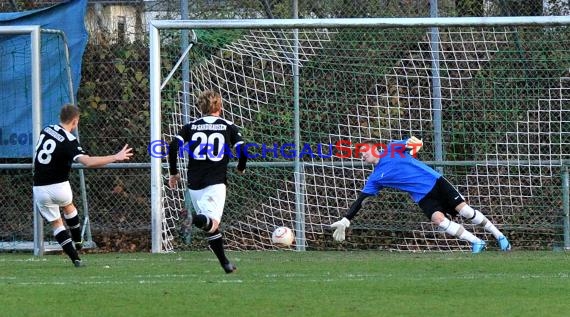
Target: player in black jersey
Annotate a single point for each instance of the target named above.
(208, 141)
(57, 148)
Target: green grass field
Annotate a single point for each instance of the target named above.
(288, 284)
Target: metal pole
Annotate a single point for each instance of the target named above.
(566, 206)
(37, 128)
(155, 162)
(185, 64)
(299, 179)
(436, 88)
(184, 44)
(289, 164)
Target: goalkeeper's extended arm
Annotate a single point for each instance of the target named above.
(341, 225)
(356, 205)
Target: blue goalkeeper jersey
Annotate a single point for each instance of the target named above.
(398, 169)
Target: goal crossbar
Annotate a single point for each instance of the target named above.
(359, 22)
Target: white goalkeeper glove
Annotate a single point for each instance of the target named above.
(414, 145)
(340, 227)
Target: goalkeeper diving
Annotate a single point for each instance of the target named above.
(399, 168)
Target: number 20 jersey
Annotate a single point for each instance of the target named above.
(55, 152)
(208, 144)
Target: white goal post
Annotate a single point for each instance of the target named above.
(159, 228)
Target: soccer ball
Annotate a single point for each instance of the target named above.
(282, 236)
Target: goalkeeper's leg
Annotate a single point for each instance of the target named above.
(433, 208)
(477, 218)
(453, 228)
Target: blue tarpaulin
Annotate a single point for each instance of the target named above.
(15, 71)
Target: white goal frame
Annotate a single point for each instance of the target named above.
(156, 26)
(35, 48)
(35, 31)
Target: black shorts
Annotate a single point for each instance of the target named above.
(442, 197)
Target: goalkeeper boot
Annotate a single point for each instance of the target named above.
(229, 268)
(504, 243)
(478, 247)
(78, 263)
(79, 245)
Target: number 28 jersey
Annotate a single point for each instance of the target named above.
(209, 142)
(55, 151)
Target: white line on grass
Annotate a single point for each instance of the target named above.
(269, 278)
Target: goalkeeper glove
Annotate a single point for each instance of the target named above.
(414, 145)
(340, 227)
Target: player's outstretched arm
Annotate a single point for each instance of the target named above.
(341, 225)
(98, 161)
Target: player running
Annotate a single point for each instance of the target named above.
(57, 148)
(208, 141)
(397, 168)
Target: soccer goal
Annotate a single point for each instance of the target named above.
(489, 96)
(36, 82)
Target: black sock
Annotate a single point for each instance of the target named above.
(216, 243)
(74, 227)
(66, 244)
(202, 222)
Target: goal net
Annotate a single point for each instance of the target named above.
(491, 104)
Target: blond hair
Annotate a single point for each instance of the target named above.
(209, 102)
